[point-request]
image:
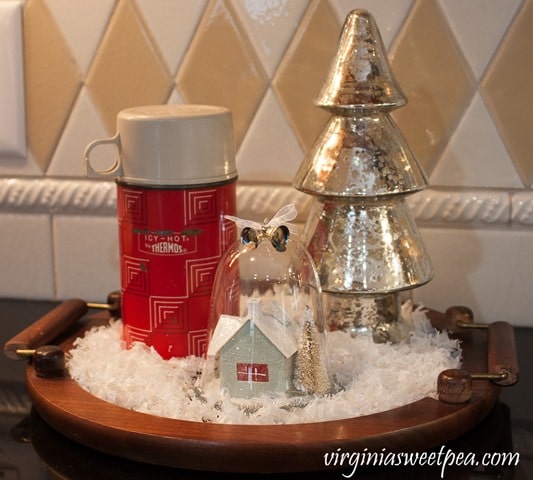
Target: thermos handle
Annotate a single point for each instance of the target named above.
(113, 171)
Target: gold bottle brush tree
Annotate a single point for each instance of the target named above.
(360, 231)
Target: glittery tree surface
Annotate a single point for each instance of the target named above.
(360, 231)
(311, 373)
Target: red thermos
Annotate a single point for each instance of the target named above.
(176, 179)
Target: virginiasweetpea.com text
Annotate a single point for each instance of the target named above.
(443, 459)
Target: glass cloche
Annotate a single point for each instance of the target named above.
(267, 331)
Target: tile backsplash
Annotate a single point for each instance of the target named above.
(465, 67)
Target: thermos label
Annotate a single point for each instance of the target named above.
(167, 243)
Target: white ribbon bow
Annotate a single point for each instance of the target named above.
(281, 217)
(277, 229)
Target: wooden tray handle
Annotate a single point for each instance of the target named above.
(47, 328)
(502, 358)
(455, 385)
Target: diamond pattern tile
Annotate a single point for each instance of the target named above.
(479, 40)
(84, 125)
(270, 26)
(82, 25)
(507, 88)
(276, 161)
(436, 79)
(52, 80)
(176, 98)
(465, 66)
(464, 161)
(127, 69)
(221, 67)
(172, 28)
(304, 68)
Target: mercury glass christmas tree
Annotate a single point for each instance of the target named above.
(360, 231)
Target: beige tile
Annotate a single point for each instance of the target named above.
(221, 67)
(127, 70)
(52, 80)
(508, 91)
(436, 79)
(304, 68)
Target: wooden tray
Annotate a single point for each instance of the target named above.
(256, 448)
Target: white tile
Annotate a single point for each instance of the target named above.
(86, 256)
(479, 26)
(172, 27)
(486, 270)
(389, 14)
(270, 26)
(26, 256)
(12, 118)
(476, 155)
(83, 126)
(83, 23)
(175, 97)
(263, 160)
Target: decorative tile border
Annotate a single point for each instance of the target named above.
(462, 208)
(522, 208)
(46, 195)
(430, 207)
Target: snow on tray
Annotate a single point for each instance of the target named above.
(371, 377)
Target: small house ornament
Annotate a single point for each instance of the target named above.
(267, 330)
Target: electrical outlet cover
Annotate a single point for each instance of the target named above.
(12, 117)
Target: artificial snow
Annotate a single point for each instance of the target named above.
(370, 377)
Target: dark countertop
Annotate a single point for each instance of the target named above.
(30, 449)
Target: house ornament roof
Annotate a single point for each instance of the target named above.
(282, 331)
